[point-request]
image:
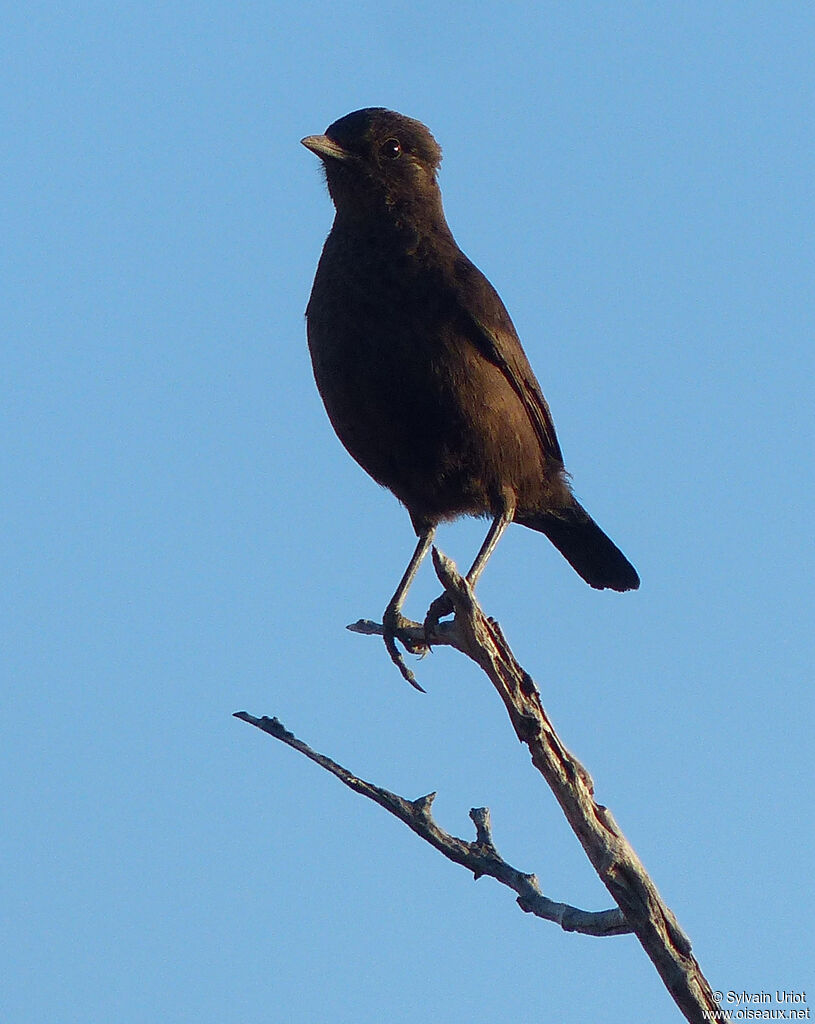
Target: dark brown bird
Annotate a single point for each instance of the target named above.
(420, 368)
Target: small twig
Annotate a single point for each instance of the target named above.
(481, 857)
(447, 634)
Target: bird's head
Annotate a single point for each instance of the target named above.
(379, 161)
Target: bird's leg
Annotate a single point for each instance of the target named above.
(443, 605)
(393, 620)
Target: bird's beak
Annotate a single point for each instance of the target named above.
(325, 148)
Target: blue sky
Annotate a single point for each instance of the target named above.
(183, 537)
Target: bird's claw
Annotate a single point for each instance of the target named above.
(438, 609)
(394, 622)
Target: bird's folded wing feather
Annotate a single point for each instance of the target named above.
(489, 327)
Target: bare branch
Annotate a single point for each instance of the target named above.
(612, 856)
(481, 857)
(641, 907)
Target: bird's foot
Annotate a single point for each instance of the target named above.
(438, 609)
(394, 623)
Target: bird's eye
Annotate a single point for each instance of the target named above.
(391, 148)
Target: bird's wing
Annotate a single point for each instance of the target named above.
(489, 327)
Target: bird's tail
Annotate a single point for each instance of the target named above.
(585, 547)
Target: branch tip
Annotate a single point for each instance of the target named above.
(423, 804)
(480, 817)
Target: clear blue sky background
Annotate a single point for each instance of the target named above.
(183, 537)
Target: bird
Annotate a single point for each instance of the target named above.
(421, 370)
